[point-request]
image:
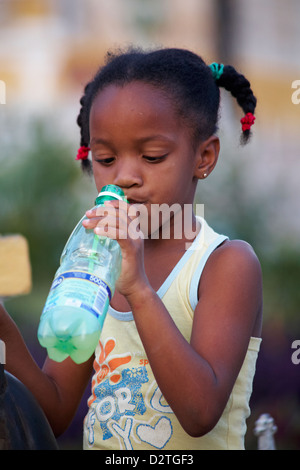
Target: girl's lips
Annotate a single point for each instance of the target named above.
(134, 201)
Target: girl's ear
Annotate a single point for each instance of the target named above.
(206, 157)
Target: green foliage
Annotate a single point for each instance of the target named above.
(281, 273)
(39, 193)
(43, 194)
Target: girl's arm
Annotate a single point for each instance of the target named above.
(196, 377)
(58, 387)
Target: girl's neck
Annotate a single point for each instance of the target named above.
(177, 231)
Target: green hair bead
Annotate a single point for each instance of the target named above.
(217, 70)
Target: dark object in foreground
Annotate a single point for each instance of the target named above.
(23, 425)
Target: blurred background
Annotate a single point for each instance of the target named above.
(49, 49)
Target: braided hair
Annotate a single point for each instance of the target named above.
(182, 75)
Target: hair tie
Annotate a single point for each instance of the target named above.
(217, 70)
(247, 121)
(83, 152)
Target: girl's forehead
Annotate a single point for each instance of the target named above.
(133, 95)
(136, 102)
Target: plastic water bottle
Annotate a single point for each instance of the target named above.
(82, 288)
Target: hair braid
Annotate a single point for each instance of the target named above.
(84, 134)
(238, 85)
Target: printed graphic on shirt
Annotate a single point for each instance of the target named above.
(104, 368)
(120, 411)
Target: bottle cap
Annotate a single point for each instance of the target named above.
(110, 192)
(2, 352)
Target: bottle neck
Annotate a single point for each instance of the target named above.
(110, 192)
(107, 196)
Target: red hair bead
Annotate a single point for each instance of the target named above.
(83, 153)
(247, 121)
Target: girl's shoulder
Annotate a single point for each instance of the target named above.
(231, 282)
(237, 251)
(233, 260)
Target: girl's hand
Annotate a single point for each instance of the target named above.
(117, 220)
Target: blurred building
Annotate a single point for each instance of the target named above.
(50, 48)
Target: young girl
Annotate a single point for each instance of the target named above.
(175, 362)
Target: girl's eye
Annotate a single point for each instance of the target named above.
(105, 161)
(154, 159)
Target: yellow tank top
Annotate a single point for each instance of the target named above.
(126, 408)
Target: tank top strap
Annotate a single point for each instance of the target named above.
(193, 295)
(178, 267)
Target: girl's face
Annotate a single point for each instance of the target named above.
(139, 143)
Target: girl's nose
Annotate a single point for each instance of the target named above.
(128, 174)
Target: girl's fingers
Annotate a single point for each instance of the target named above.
(114, 220)
(96, 215)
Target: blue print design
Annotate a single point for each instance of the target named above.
(157, 435)
(124, 398)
